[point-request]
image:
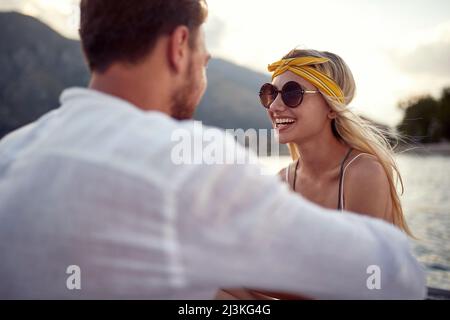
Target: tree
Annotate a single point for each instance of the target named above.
(426, 119)
(444, 113)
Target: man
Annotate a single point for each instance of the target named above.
(92, 204)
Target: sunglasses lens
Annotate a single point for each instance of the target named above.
(267, 94)
(292, 94)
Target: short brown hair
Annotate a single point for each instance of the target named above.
(127, 30)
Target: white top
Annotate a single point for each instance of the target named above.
(92, 184)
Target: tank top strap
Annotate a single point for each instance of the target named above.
(291, 172)
(294, 169)
(287, 173)
(341, 203)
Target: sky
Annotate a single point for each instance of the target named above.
(395, 49)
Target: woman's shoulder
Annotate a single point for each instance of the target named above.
(364, 169)
(362, 165)
(367, 188)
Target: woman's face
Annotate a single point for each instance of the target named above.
(310, 118)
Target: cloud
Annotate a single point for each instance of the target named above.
(11, 5)
(37, 5)
(430, 58)
(62, 15)
(214, 31)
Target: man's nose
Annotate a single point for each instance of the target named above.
(277, 104)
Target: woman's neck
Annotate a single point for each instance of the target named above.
(322, 154)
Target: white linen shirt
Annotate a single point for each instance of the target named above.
(92, 184)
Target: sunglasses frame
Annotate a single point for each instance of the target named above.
(276, 92)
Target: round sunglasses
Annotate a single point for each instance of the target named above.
(291, 94)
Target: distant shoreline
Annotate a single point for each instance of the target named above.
(429, 149)
(425, 149)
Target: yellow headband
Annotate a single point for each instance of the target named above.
(302, 67)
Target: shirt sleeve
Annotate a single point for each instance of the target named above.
(236, 227)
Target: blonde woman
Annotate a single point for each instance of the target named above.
(339, 161)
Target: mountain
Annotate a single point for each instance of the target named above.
(231, 100)
(37, 63)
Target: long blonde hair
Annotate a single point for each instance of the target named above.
(358, 133)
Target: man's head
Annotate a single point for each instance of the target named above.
(130, 33)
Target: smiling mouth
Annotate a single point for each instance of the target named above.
(284, 123)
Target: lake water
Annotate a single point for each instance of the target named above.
(426, 203)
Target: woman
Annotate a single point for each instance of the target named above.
(340, 161)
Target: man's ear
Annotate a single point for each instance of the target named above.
(179, 48)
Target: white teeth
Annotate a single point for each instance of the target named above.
(285, 120)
